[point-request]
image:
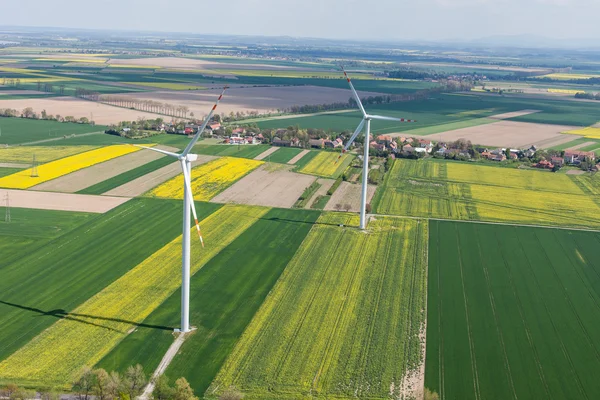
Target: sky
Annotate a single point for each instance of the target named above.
(337, 19)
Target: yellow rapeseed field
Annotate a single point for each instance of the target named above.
(566, 77)
(208, 179)
(324, 164)
(64, 166)
(589, 132)
(509, 177)
(57, 355)
(43, 154)
(565, 91)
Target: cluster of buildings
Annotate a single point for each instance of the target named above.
(571, 157)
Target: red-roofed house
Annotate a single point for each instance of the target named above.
(577, 157)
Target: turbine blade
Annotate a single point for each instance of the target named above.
(360, 106)
(351, 140)
(187, 183)
(158, 150)
(197, 135)
(383, 118)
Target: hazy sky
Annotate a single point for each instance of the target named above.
(345, 19)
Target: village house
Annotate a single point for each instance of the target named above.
(545, 164)
(558, 161)
(332, 144)
(316, 143)
(576, 157)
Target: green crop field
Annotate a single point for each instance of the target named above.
(283, 155)
(451, 190)
(121, 179)
(344, 319)
(42, 287)
(8, 171)
(30, 229)
(456, 111)
(226, 292)
(242, 151)
(513, 312)
(20, 130)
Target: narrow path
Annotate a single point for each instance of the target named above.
(326, 184)
(14, 165)
(298, 157)
(164, 363)
(266, 153)
(57, 138)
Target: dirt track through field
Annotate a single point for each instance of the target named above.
(514, 114)
(14, 165)
(349, 193)
(62, 201)
(298, 157)
(326, 184)
(579, 146)
(267, 187)
(505, 134)
(266, 153)
(557, 141)
(87, 177)
(141, 185)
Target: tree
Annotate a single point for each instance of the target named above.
(347, 207)
(28, 112)
(231, 394)
(338, 207)
(8, 390)
(134, 381)
(429, 395)
(84, 386)
(183, 390)
(101, 383)
(114, 385)
(162, 390)
(368, 208)
(49, 394)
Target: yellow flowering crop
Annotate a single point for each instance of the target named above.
(91, 330)
(43, 154)
(208, 179)
(565, 91)
(64, 166)
(168, 85)
(324, 164)
(589, 132)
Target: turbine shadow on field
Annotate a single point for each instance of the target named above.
(62, 314)
(295, 221)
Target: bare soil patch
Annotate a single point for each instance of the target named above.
(87, 177)
(69, 106)
(349, 193)
(62, 201)
(261, 99)
(266, 153)
(507, 134)
(141, 185)
(514, 114)
(575, 172)
(264, 187)
(298, 157)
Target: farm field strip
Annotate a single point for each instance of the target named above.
(231, 150)
(325, 164)
(589, 132)
(150, 180)
(59, 353)
(226, 293)
(45, 285)
(63, 166)
(343, 320)
(349, 194)
(297, 157)
(13, 128)
(61, 201)
(424, 189)
(530, 292)
(266, 153)
(84, 178)
(24, 154)
(208, 179)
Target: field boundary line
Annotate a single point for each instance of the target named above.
(164, 363)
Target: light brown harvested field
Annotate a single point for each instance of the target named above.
(349, 193)
(557, 141)
(69, 106)
(249, 98)
(141, 185)
(14, 165)
(326, 184)
(62, 201)
(190, 63)
(575, 172)
(20, 91)
(514, 114)
(267, 187)
(298, 157)
(266, 153)
(579, 146)
(87, 177)
(506, 134)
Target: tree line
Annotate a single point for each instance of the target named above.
(587, 96)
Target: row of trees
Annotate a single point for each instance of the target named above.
(41, 86)
(29, 112)
(588, 96)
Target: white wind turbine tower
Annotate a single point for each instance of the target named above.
(186, 159)
(365, 123)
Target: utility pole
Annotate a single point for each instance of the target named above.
(7, 213)
(34, 171)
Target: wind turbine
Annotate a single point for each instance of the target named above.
(365, 123)
(185, 159)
